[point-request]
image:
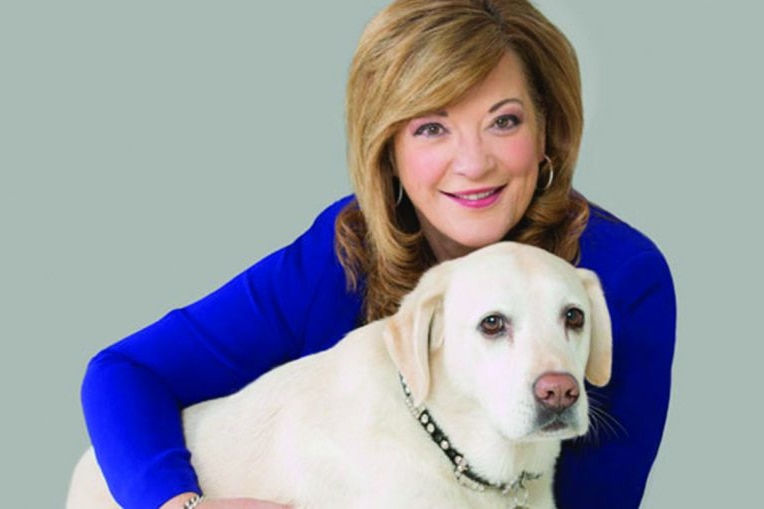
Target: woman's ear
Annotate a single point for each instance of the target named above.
(541, 135)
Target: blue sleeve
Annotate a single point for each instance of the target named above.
(608, 468)
(133, 391)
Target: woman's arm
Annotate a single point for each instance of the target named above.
(133, 391)
(609, 467)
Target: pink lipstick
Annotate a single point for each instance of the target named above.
(477, 198)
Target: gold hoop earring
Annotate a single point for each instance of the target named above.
(551, 175)
(399, 199)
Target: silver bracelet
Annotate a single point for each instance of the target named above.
(193, 502)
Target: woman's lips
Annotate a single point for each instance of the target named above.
(477, 198)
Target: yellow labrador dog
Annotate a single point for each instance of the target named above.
(458, 400)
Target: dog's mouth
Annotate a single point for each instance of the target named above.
(556, 425)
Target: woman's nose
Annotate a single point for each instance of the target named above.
(472, 158)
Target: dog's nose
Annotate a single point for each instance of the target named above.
(556, 391)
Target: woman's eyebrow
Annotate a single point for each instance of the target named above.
(444, 113)
(503, 102)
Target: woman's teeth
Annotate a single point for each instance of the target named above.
(476, 196)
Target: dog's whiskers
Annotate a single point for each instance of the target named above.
(602, 424)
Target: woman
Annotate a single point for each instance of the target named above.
(464, 122)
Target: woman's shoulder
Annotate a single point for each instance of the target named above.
(306, 279)
(324, 221)
(607, 238)
(333, 210)
(319, 236)
(310, 257)
(624, 258)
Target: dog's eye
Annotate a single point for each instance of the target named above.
(574, 319)
(493, 325)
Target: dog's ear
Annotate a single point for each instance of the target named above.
(416, 329)
(599, 365)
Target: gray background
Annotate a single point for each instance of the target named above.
(149, 151)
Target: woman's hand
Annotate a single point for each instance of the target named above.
(239, 503)
(221, 503)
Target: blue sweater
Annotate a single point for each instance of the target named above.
(294, 303)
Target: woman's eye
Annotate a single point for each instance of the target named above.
(574, 319)
(507, 121)
(431, 129)
(493, 325)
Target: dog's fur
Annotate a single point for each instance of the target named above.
(334, 430)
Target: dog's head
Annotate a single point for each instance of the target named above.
(509, 330)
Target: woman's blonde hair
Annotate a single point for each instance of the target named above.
(416, 57)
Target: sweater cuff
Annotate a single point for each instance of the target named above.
(165, 478)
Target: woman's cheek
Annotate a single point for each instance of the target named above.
(520, 156)
(422, 166)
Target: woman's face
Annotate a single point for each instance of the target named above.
(471, 169)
